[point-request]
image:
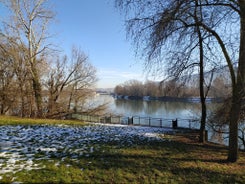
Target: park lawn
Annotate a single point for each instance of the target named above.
(12, 120)
(173, 159)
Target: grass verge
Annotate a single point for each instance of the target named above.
(10, 120)
(177, 159)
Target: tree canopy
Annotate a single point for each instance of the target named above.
(164, 32)
(35, 79)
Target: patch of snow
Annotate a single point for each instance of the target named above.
(91, 149)
(11, 161)
(21, 146)
(48, 149)
(17, 182)
(57, 164)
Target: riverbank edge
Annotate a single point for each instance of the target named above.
(169, 98)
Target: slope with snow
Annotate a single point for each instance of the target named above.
(21, 146)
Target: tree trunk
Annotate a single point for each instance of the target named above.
(237, 91)
(22, 102)
(37, 94)
(233, 132)
(202, 136)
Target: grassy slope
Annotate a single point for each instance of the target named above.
(8, 120)
(176, 160)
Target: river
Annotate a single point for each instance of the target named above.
(182, 111)
(154, 108)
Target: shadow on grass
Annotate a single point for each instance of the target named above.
(163, 161)
(152, 162)
(213, 160)
(159, 167)
(199, 175)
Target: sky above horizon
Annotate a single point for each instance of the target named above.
(97, 27)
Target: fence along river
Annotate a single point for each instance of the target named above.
(146, 113)
(139, 121)
(154, 113)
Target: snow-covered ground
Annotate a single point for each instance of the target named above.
(21, 146)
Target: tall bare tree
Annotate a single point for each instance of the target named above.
(173, 24)
(197, 17)
(164, 29)
(29, 23)
(68, 82)
(237, 9)
(7, 84)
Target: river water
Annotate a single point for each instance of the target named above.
(184, 112)
(155, 109)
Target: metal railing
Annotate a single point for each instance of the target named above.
(138, 121)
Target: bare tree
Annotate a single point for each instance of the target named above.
(165, 31)
(7, 84)
(44, 89)
(28, 26)
(119, 90)
(130, 88)
(237, 76)
(220, 87)
(172, 88)
(135, 88)
(152, 88)
(170, 25)
(23, 80)
(68, 82)
(197, 16)
(15, 64)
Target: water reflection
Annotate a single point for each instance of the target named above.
(217, 137)
(156, 109)
(129, 107)
(165, 110)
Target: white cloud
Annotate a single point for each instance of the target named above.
(110, 77)
(120, 74)
(129, 75)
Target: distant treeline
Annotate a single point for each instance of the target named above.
(169, 98)
(171, 90)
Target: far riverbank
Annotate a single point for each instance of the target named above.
(169, 98)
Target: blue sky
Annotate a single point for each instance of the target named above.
(98, 29)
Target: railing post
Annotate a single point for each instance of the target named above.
(206, 135)
(130, 121)
(175, 123)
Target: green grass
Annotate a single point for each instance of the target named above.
(9, 120)
(167, 162)
(176, 160)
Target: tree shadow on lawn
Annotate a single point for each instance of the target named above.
(181, 160)
(152, 162)
(200, 175)
(157, 166)
(203, 160)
